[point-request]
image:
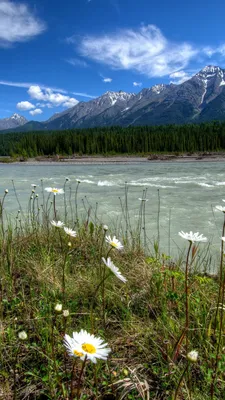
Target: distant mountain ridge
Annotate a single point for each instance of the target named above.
(199, 99)
(14, 121)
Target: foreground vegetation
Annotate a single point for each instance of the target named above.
(54, 282)
(116, 140)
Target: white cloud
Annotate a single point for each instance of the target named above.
(76, 62)
(27, 85)
(211, 51)
(24, 106)
(36, 111)
(107, 80)
(137, 83)
(145, 50)
(70, 103)
(180, 77)
(51, 98)
(84, 95)
(17, 23)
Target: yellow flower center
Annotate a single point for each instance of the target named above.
(55, 190)
(89, 348)
(78, 353)
(113, 244)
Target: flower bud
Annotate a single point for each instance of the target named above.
(58, 307)
(66, 313)
(192, 356)
(22, 335)
(6, 191)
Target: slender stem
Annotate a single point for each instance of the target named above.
(221, 274)
(187, 296)
(80, 376)
(179, 383)
(221, 293)
(72, 379)
(76, 202)
(54, 206)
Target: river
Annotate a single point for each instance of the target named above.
(187, 194)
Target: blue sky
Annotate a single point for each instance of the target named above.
(56, 53)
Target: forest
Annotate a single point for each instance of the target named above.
(116, 140)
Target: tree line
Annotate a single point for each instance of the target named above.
(116, 140)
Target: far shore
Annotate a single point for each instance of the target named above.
(126, 159)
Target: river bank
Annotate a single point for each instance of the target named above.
(121, 159)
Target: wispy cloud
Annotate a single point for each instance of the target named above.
(84, 95)
(36, 111)
(137, 84)
(28, 84)
(44, 87)
(18, 23)
(211, 51)
(145, 50)
(51, 97)
(24, 106)
(180, 76)
(76, 62)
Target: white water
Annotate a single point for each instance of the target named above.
(188, 193)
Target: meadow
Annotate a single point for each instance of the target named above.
(88, 312)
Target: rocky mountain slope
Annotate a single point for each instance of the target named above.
(201, 98)
(14, 121)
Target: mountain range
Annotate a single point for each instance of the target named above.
(199, 99)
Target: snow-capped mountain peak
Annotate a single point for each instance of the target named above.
(158, 88)
(12, 122)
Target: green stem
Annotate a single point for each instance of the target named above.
(179, 383)
(80, 376)
(187, 297)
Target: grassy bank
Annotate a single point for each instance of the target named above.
(54, 282)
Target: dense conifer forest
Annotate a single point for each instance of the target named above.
(116, 140)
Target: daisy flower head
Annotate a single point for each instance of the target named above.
(192, 356)
(57, 224)
(84, 345)
(33, 185)
(55, 191)
(70, 232)
(142, 199)
(114, 242)
(193, 237)
(114, 269)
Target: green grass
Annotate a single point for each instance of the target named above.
(142, 320)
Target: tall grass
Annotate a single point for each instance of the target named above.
(52, 284)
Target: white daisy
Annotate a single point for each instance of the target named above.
(54, 190)
(33, 185)
(142, 199)
(220, 208)
(70, 232)
(114, 242)
(192, 356)
(57, 224)
(82, 344)
(193, 237)
(114, 269)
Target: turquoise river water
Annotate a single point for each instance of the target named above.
(188, 194)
